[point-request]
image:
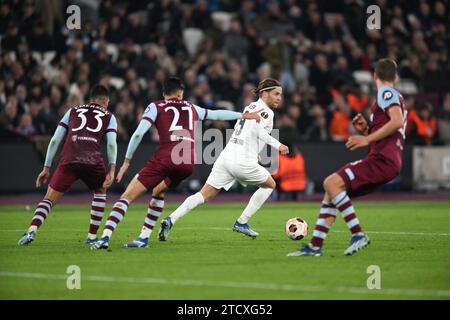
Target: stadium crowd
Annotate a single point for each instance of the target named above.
(221, 49)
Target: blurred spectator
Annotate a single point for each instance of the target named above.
(313, 48)
(340, 122)
(290, 175)
(444, 121)
(422, 125)
(317, 131)
(26, 128)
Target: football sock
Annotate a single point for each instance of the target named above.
(97, 212)
(117, 213)
(188, 204)
(40, 214)
(256, 201)
(155, 208)
(327, 210)
(345, 206)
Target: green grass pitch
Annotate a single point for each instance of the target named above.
(204, 259)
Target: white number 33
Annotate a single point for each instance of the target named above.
(98, 117)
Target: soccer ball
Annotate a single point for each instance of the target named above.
(296, 228)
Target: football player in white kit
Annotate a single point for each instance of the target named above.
(239, 162)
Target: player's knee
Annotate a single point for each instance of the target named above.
(332, 182)
(327, 183)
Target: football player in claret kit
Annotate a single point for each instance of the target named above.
(239, 162)
(385, 137)
(84, 128)
(175, 120)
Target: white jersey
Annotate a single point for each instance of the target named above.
(250, 137)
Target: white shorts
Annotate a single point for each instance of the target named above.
(223, 175)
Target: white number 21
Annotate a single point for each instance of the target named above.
(176, 116)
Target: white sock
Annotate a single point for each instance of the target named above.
(188, 204)
(256, 201)
(107, 233)
(92, 236)
(154, 210)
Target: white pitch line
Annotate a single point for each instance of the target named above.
(233, 284)
(228, 229)
(368, 232)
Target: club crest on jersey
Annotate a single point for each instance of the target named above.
(387, 95)
(265, 115)
(74, 138)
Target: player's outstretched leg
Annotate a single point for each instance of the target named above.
(256, 201)
(359, 239)
(97, 212)
(207, 193)
(326, 219)
(154, 210)
(134, 190)
(40, 214)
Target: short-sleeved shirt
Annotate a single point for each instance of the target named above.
(390, 147)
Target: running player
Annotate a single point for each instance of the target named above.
(81, 158)
(239, 162)
(385, 136)
(172, 162)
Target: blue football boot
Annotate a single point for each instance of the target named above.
(138, 243)
(306, 250)
(245, 229)
(358, 242)
(166, 225)
(103, 243)
(27, 238)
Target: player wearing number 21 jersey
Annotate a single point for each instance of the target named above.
(385, 137)
(84, 128)
(239, 162)
(175, 120)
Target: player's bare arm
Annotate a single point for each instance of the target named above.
(395, 123)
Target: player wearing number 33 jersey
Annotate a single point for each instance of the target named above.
(175, 119)
(83, 129)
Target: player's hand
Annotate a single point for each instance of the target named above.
(284, 149)
(122, 170)
(252, 115)
(360, 123)
(355, 142)
(43, 177)
(109, 177)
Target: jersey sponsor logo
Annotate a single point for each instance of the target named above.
(76, 138)
(387, 95)
(265, 115)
